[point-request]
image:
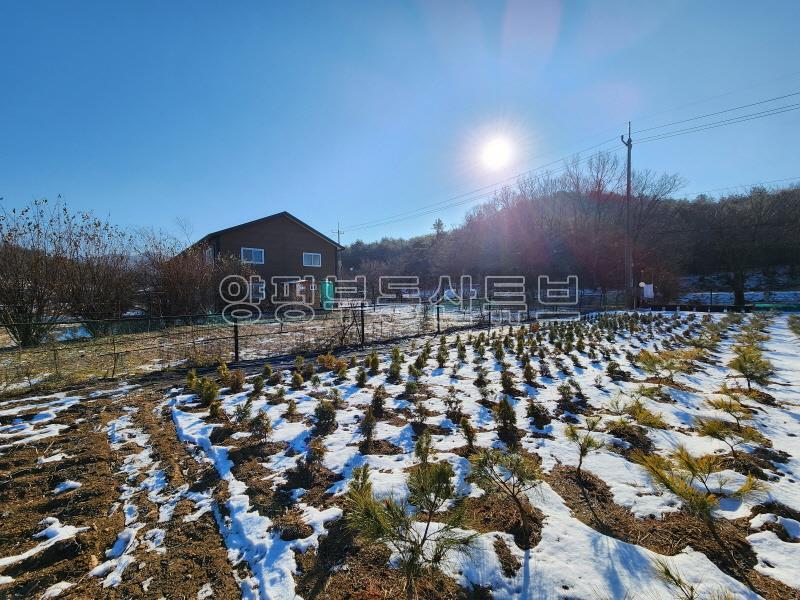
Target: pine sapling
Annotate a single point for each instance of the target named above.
(469, 433)
(507, 423)
(512, 475)
(367, 428)
(406, 527)
(261, 427)
(379, 397)
(361, 377)
(750, 363)
(585, 440)
(325, 415)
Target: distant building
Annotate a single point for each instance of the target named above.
(279, 245)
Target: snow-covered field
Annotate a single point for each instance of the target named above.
(142, 492)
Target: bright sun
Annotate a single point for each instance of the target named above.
(496, 153)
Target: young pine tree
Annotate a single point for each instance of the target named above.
(585, 441)
(406, 527)
(512, 475)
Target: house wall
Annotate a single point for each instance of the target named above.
(284, 242)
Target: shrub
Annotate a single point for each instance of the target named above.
(241, 414)
(507, 382)
(325, 415)
(326, 362)
(422, 448)
(441, 357)
(481, 381)
(291, 408)
(258, 386)
(192, 380)
(378, 400)
(341, 374)
(469, 433)
(412, 387)
(236, 380)
(512, 475)
(373, 363)
(507, 423)
(367, 426)
(732, 406)
(298, 363)
(224, 374)
(529, 374)
(308, 371)
(335, 396)
(208, 391)
(359, 489)
(697, 502)
(261, 427)
(267, 372)
(315, 455)
(297, 380)
(394, 372)
(453, 405)
(539, 413)
(215, 409)
(361, 377)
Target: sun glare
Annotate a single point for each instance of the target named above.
(496, 153)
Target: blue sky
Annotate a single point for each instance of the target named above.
(218, 113)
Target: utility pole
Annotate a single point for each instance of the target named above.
(338, 233)
(628, 248)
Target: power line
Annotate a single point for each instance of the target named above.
(719, 112)
(480, 193)
(744, 185)
(492, 187)
(473, 198)
(724, 122)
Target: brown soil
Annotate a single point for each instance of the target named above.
(668, 383)
(495, 512)
(194, 553)
(635, 435)
(508, 562)
(592, 502)
(380, 447)
(291, 525)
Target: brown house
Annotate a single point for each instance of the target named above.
(279, 245)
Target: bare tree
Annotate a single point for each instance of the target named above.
(32, 271)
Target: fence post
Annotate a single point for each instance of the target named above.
(362, 324)
(235, 339)
(438, 319)
(55, 359)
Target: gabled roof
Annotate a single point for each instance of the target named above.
(269, 218)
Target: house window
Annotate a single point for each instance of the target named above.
(209, 252)
(312, 259)
(253, 255)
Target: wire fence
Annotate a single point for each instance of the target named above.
(71, 353)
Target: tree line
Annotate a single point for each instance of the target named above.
(56, 264)
(574, 223)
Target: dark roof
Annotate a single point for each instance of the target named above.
(268, 218)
